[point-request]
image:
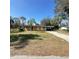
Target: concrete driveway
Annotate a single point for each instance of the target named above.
(63, 36)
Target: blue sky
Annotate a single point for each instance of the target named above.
(37, 9)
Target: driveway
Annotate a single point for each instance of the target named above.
(63, 36)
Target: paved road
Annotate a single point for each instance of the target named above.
(63, 36)
(38, 57)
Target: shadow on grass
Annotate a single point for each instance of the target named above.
(22, 40)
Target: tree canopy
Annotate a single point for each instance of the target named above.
(62, 6)
(45, 22)
(17, 21)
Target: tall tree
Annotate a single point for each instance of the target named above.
(45, 22)
(31, 22)
(54, 21)
(22, 21)
(11, 21)
(62, 6)
(16, 22)
(62, 10)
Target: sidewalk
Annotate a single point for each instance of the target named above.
(38, 57)
(63, 36)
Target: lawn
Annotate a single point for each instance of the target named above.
(38, 43)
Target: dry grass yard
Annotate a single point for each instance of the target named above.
(38, 43)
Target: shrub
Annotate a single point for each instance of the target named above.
(20, 30)
(14, 30)
(56, 27)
